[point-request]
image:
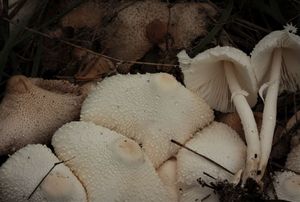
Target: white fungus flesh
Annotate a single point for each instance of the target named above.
(275, 61)
(152, 109)
(26, 168)
(217, 142)
(168, 175)
(223, 78)
(111, 167)
(287, 186)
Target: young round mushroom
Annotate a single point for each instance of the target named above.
(275, 61)
(152, 109)
(221, 75)
(33, 109)
(110, 166)
(219, 143)
(168, 175)
(25, 169)
(287, 186)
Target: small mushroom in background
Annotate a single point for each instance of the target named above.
(110, 166)
(217, 142)
(275, 61)
(25, 169)
(222, 75)
(168, 175)
(152, 109)
(134, 31)
(33, 109)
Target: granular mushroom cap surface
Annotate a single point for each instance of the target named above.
(111, 166)
(152, 109)
(25, 169)
(219, 143)
(33, 109)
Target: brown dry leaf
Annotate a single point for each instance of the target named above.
(94, 67)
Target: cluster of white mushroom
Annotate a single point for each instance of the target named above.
(121, 149)
(272, 67)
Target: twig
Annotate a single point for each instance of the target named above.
(55, 164)
(206, 158)
(88, 50)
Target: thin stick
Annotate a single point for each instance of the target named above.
(88, 50)
(211, 161)
(55, 164)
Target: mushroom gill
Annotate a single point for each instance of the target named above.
(33, 109)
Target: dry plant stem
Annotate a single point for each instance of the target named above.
(270, 110)
(247, 120)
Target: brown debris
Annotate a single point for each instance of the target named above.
(93, 68)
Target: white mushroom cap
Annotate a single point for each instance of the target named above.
(152, 109)
(293, 159)
(24, 170)
(223, 77)
(168, 175)
(217, 142)
(205, 75)
(261, 57)
(110, 166)
(287, 186)
(198, 193)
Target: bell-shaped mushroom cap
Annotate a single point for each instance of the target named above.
(217, 142)
(261, 57)
(152, 109)
(110, 166)
(168, 175)
(198, 193)
(293, 159)
(33, 109)
(205, 75)
(26, 168)
(287, 186)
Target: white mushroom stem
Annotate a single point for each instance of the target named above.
(270, 110)
(247, 120)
